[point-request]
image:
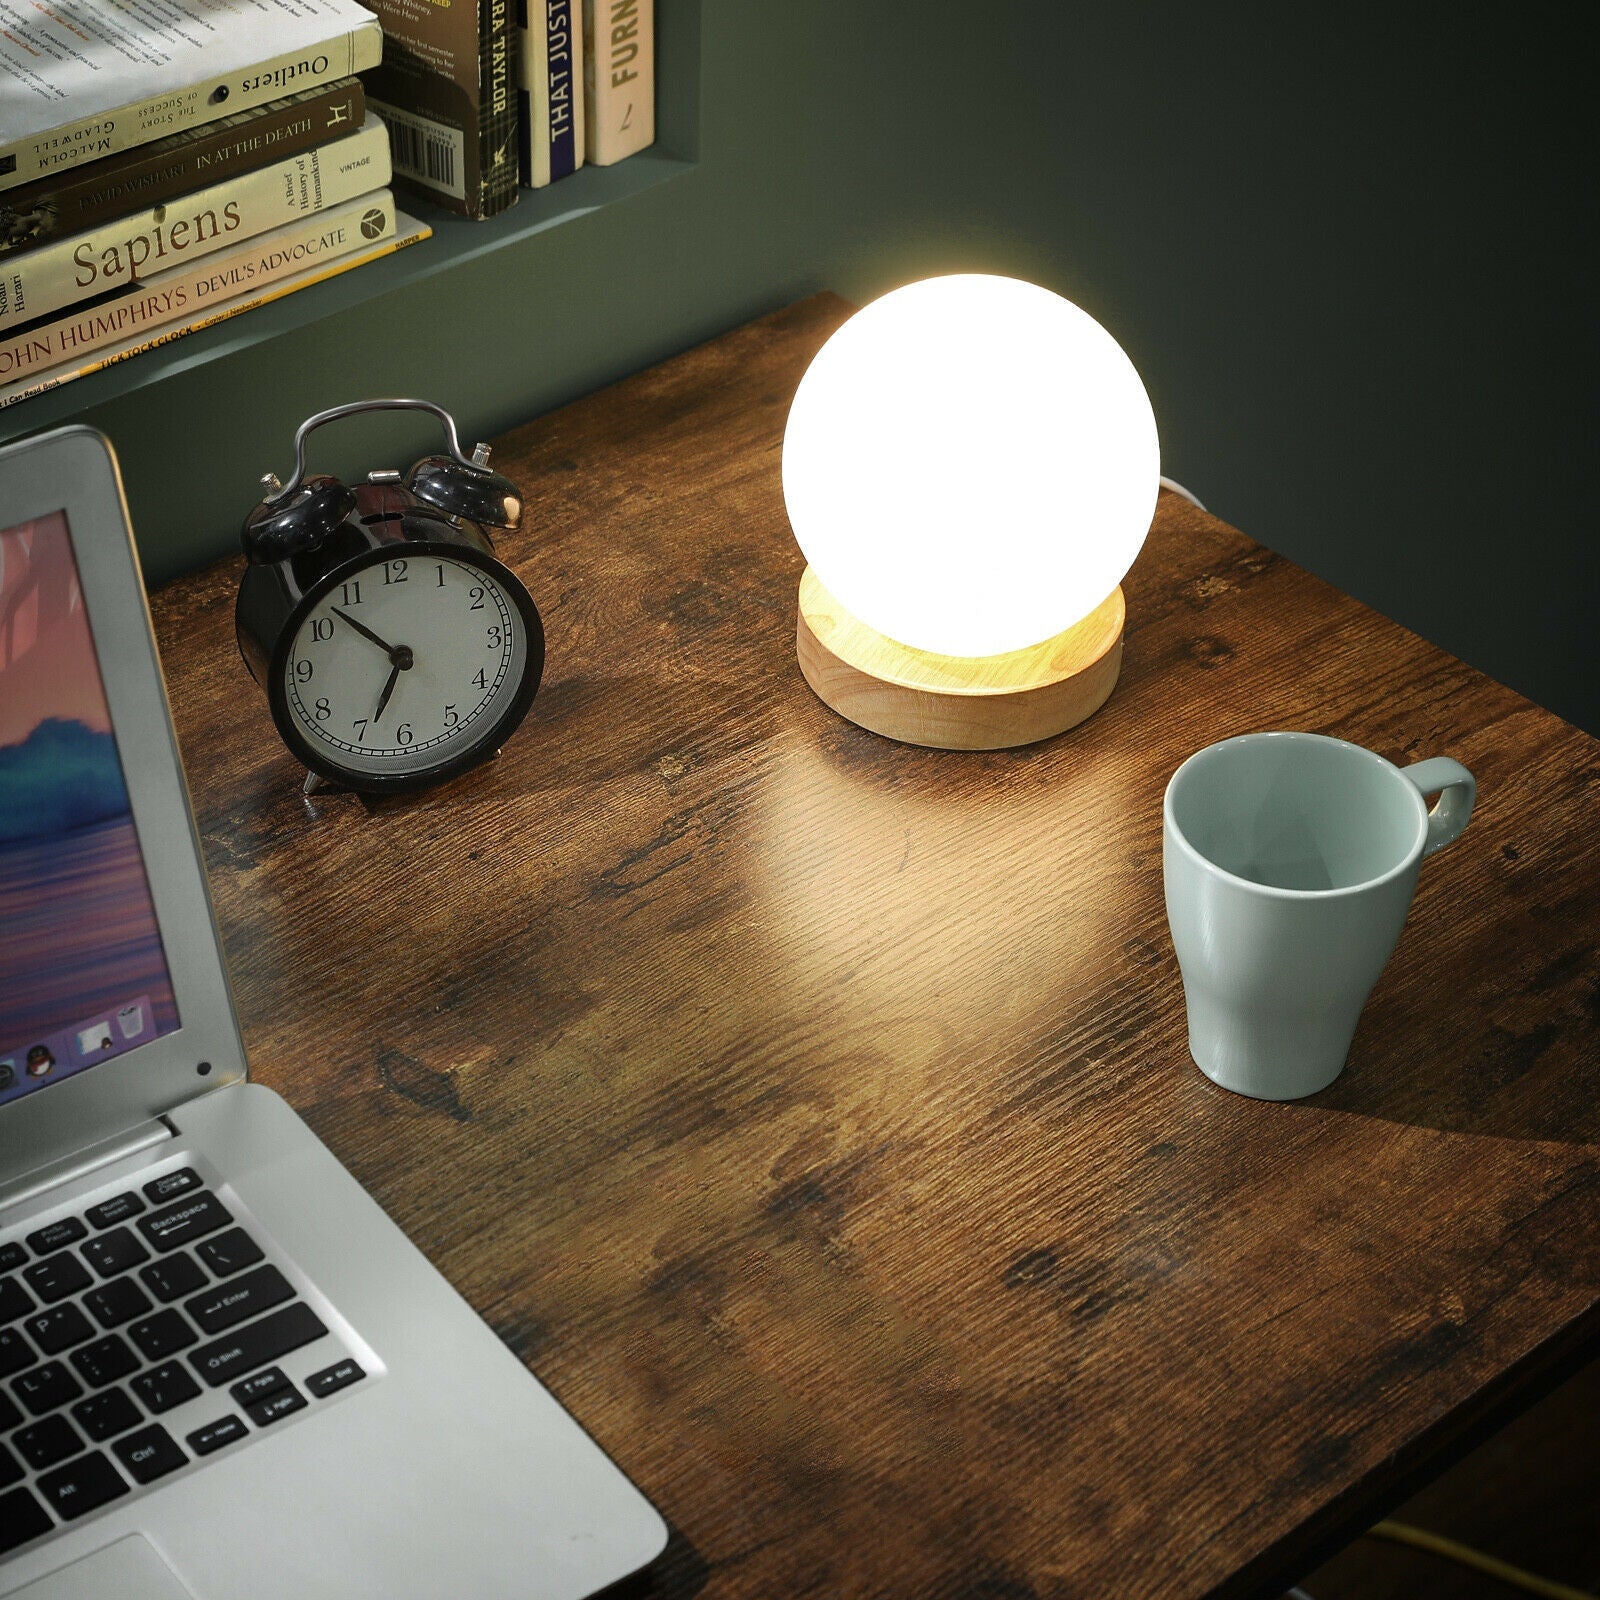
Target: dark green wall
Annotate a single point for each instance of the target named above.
(1348, 249)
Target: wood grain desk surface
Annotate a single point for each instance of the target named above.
(814, 1115)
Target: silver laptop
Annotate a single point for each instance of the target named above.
(223, 1371)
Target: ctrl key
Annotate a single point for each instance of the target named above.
(150, 1453)
(82, 1485)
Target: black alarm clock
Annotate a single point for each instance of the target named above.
(394, 649)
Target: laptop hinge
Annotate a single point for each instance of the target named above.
(81, 1163)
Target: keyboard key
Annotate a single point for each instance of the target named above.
(114, 1252)
(54, 1235)
(15, 1352)
(171, 1184)
(11, 1471)
(259, 1385)
(102, 1416)
(117, 1302)
(331, 1379)
(117, 1209)
(161, 1334)
(82, 1485)
(257, 1343)
(15, 1301)
(225, 1430)
(59, 1329)
(228, 1252)
(177, 1275)
(45, 1388)
(57, 1276)
(187, 1219)
(276, 1406)
(163, 1387)
(9, 1415)
(150, 1453)
(21, 1518)
(225, 1304)
(12, 1255)
(105, 1361)
(45, 1443)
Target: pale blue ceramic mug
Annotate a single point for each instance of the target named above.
(1290, 861)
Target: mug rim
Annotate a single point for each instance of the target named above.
(1406, 862)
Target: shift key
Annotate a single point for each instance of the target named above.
(183, 1220)
(257, 1343)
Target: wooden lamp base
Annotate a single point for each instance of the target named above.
(956, 702)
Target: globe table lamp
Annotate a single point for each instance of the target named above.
(970, 467)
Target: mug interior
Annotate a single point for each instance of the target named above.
(1297, 811)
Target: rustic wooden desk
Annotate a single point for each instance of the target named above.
(813, 1114)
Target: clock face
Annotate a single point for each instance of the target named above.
(406, 665)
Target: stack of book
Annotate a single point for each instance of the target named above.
(482, 101)
(157, 177)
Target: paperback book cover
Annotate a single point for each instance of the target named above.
(445, 89)
(152, 174)
(184, 299)
(81, 81)
(39, 283)
(619, 56)
(549, 91)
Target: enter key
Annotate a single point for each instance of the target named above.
(239, 1298)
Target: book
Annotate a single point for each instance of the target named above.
(151, 174)
(445, 89)
(619, 78)
(185, 299)
(549, 91)
(81, 81)
(44, 281)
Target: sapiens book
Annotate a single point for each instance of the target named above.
(445, 89)
(152, 174)
(549, 91)
(185, 299)
(619, 74)
(43, 282)
(80, 81)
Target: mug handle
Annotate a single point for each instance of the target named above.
(1456, 788)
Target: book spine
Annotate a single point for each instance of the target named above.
(407, 232)
(193, 289)
(76, 144)
(551, 79)
(619, 44)
(62, 274)
(148, 175)
(445, 89)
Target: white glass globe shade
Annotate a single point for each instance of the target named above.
(970, 465)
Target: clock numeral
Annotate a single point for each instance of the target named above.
(493, 634)
(476, 594)
(403, 734)
(450, 716)
(324, 710)
(360, 725)
(321, 628)
(352, 592)
(481, 681)
(395, 572)
(440, 571)
(303, 670)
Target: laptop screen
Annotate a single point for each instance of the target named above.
(83, 976)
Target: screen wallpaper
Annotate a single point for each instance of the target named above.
(82, 973)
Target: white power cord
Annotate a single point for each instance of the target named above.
(1194, 500)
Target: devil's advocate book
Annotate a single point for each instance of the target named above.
(81, 81)
(68, 203)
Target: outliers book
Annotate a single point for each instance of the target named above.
(550, 90)
(79, 83)
(446, 91)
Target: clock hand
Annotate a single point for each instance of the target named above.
(388, 689)
(365, 631)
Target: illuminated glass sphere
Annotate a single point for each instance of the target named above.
(970, 465)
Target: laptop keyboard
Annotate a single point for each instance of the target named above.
(137, 1337)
